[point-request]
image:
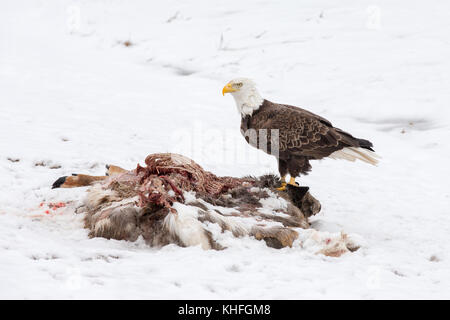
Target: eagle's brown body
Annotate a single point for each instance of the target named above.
(303, 136)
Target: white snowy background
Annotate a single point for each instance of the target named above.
(74, 97)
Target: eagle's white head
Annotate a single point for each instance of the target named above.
(245, 94)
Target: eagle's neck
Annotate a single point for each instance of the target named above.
(247, 101)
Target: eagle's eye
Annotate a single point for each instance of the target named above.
(239, 84)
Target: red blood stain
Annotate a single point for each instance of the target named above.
(52, 205)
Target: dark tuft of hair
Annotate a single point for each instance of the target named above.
(58, 183)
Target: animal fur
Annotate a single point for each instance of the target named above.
(173, 200)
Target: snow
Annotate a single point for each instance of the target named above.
(74, 98)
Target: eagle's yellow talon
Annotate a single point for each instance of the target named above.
(283, 184)
(292, 182)
(283, 187)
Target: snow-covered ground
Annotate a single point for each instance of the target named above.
(74, 97)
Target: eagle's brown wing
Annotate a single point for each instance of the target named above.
(302, 132)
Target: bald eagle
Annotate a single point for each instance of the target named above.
(301, 135)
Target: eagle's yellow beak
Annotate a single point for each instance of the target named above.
(228, 88)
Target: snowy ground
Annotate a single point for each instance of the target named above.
(74, 97)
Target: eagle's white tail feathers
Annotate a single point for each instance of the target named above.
(353, 153)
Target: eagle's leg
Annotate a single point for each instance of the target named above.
(292, 181)
(297, 165)
(283, 184)
(283, 170)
